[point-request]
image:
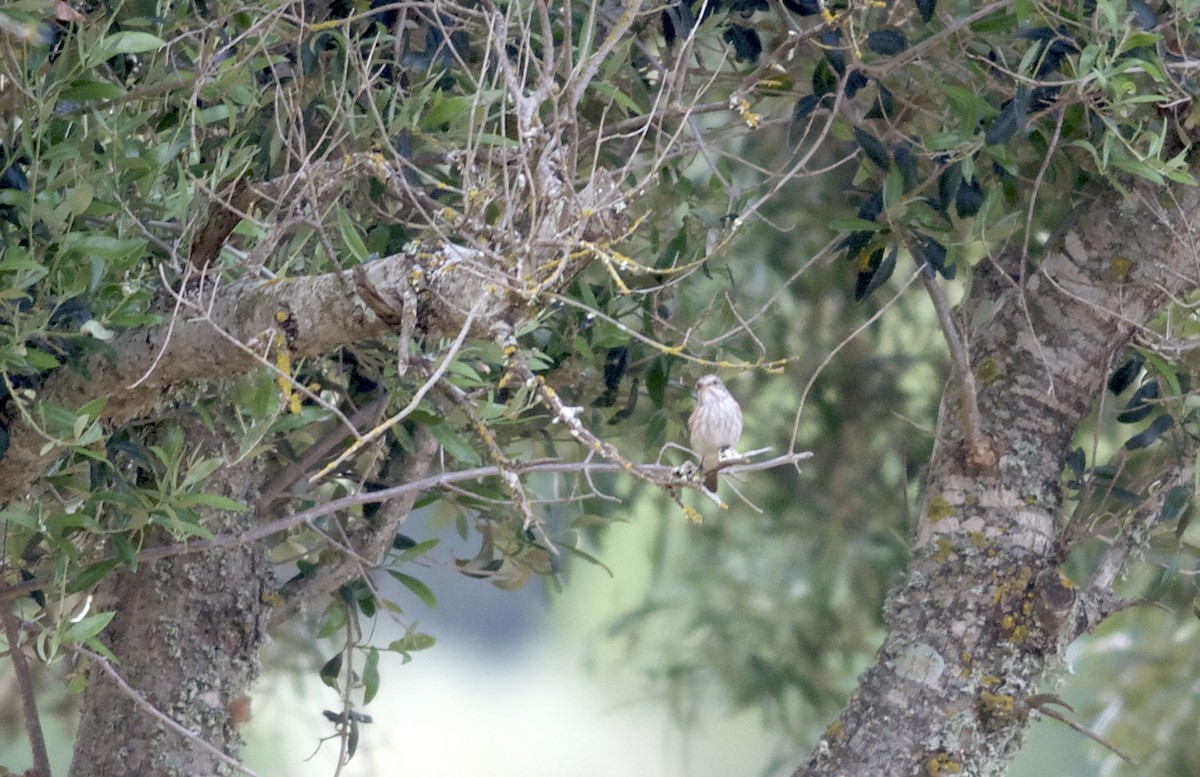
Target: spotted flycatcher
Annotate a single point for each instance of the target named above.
(715, 425)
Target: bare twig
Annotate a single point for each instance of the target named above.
(511, 481)
(829, 357)
(1040, 702)
(367, 414)
(155, 712)
(660, 474)
(972, 426)
(418, 395)
(33, 724)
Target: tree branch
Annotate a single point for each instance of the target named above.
(662, 474)
(370, 543)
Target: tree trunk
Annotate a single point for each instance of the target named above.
(186, 633)
(981, 622)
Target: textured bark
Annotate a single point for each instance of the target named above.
(186, 633)
(305, 316)
(982, 619)
(224, 332)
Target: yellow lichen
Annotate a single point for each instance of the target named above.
(939, 509)
(997, 703)
(940, 764)
(283, 360)
(987, 371)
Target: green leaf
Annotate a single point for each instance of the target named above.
(875, 150)
(128, 42)
(79, 427)
(21, 518)
(179, 518)
(412, 642)
(199, 472)
(41, 361)
(125, 550)
(108, 247)
(658, 378)
(88, 627)
(98, 647)
(1138, 168)
(416, 551)
(85, 90)
(446, 110)
(893, 186)
(588, 557)
(90, 576)
(455, 445)
(854, 224)
(616, 95)
(1180, 176)
(887, 41)
(1141, 404)
(941, 141)
(350, 236)
(1175, 503)
(335, 621)
(370, 676)
(1147, 436)
(330, 671)
(416, 586)
(92, 408)
(1139, 40)
(215, 501)
(1164, 369)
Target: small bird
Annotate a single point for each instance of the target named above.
(715, 425)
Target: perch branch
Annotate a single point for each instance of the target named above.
(660, 474)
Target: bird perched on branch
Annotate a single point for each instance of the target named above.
(715, 425)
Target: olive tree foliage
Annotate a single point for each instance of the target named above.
(276, 275)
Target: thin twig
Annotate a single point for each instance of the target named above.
(155, 712)
(33, 724)
(829, 357)
(367, 414)
(661, 474)
(958, 354)
(1050, 713)
(420, 393)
